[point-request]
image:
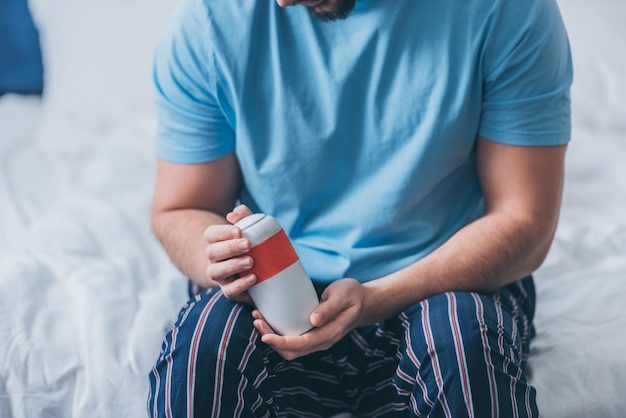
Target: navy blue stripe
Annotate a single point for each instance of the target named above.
(371, 372)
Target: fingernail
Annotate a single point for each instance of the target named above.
(244, 244)
(251, 278)
(234, 232)
(246, 262)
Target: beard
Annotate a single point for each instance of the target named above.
(331, 10)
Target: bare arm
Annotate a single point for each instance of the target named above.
(522, 188)
(189, 198)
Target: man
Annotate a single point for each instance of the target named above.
(413, 151)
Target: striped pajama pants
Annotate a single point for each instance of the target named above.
(457, 354)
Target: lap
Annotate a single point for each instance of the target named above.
(441, 349)
(473, 346)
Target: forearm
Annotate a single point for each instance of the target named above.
(188, 199)
(180, 232)
(488, 253)
(522, 187)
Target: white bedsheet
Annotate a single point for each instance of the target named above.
(86, 292)
(577, 360)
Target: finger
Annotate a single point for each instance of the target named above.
(291, 347)
(221, 271)
(294, 343)
(216, 233)
(338, 299)
(260, 323)
(325, 312)
(238, 288)
(241, 298)
(219, 251)
(238, 213)
(262, 327)
(256, 314)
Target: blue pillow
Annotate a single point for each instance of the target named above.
(21, 68)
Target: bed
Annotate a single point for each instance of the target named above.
(86, 292)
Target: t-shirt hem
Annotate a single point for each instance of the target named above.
(526, 139)
(190, 156)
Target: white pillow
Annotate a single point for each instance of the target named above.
(97, 59)
(597, 31)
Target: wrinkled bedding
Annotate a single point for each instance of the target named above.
(86, 293)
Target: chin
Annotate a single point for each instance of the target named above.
(331, 10)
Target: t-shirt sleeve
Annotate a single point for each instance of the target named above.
(527, 76)
(192, 128)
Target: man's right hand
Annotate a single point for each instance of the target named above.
(227, 257)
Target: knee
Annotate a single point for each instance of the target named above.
(458, 327)
(206, 326)
(211, 313)
(464, 355)
(210, 336)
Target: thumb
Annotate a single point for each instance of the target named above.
(238, 213)
(324, 312)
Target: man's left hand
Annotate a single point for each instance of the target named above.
(339, 312)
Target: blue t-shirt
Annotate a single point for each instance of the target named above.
(359, 135)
